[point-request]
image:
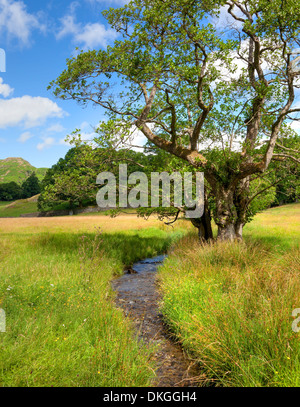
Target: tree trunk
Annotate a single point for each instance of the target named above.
(203, 224)
(239, 230)
(230, 218)
(227, 232)
(227, 216)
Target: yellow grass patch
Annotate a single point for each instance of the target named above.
(76, 223)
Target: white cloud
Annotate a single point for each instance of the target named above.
(225, 19)
(295, 125)
(5, 90)
(90, 35)
(94, 35)
(47, 142)
(137, 139)
(55, 128)
(25, 136)
(16, 22)
(69, 26)
(27, 110)
(84, 125)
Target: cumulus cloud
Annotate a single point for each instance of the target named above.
(225, 19)
(25, 136)
(55, 128)
(16, 22)
(90, 35)
(47, 142)
(28, 111)
(5, 90)
(137, 139)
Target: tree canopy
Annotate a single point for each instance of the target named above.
(212, 83)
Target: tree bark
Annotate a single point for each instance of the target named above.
(227, 232)
(239, 230)
(203, 224)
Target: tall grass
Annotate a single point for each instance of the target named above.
(230, 304)
(62, 328)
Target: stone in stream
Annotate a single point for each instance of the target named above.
(130, 271)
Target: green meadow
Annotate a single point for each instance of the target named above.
(62, 328)
(230, 304)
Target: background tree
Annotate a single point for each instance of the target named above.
(31, 186)
(207, 93)
(10, 191)
(71, 183)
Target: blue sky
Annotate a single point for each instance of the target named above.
(38, 37)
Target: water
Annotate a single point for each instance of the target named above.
(138, 296)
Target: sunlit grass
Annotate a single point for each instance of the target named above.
(277, 227)
(230, 304)
(62, 328)
(17, 208)
(82, 224)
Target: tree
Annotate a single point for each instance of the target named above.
(10, 191)
(208, 93)
(31, 186)
(71, 181)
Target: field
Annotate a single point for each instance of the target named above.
(231, 304)
(62, 328)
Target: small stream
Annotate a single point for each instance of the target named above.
(138, 296)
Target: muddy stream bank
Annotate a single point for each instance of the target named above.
(138, 296)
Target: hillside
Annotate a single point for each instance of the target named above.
(17, 169)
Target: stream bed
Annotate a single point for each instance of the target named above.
(138, 296)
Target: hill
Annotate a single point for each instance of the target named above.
(17, 169)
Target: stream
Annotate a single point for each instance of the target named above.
(138, 296)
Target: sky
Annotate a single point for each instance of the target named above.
(36, 38)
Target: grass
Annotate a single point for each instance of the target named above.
(230, 304)
(17, 169)
(276, 228)
(62, 328)
(16, 208)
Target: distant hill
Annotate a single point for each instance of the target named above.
(17, 169)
